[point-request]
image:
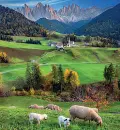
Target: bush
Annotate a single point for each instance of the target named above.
(4, 57)
(5, 37)
(32, 91)
(20, 83)
(31, 41)
(65, 96)
(25, 93)
(13, 90)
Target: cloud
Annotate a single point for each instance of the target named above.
(16, 3)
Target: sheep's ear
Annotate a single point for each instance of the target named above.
(65, 120)
(70, 120)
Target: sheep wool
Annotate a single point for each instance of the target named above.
(85, 113)
(53, 107)
(38, 117)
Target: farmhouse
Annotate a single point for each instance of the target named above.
(59, 46)
(52, 44)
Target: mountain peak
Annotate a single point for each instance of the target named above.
(70, 13)
(26, 5)
(39, 5)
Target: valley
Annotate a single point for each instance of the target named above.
(82, 59)
(59, 58)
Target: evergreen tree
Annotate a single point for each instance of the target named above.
(61, 77)
(55, 80)
(111, 72)
(1, 81)
(37, 77)
(1, 85)
(106, 73)
(55, 74)
(29, 83)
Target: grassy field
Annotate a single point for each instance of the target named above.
(17, 119)
(87, 61)
(23, 45)
(88, 73)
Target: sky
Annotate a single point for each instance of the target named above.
(57, 4)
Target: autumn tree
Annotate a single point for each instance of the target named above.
(71, 79)
(74, 79)
(4, 57)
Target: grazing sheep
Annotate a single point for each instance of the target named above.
(64, 120)
(37, 117)
(85, 113)
(95, 109)
(53, 107)
(35, 106)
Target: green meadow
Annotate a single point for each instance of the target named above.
(17, 118)
(89, 62)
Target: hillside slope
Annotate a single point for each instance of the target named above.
(65, 28)
(54, 25)
(107, 24)
(14, 23)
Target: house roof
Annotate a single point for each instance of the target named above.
(59, 44)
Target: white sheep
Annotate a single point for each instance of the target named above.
(85, 113)
(37, 117)
(64, 120)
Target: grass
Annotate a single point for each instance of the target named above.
(88, 62)
(88, 73)
(25, 46)
(17, 119)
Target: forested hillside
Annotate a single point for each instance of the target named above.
(14, 23)
(106, 25)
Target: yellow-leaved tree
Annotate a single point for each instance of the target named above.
(74, 79)
(71, 79)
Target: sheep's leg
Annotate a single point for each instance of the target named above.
(38, 122)
(72, 118)
(31, 121)
(64, 126)
(89, 123)
(60, 124)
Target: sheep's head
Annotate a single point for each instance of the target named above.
(99, 121)
(67, 122)
(45, 116)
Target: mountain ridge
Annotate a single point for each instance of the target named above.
(71, 13)
(14, 23)
(54, 25)
(106, 25)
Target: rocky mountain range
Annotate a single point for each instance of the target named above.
(71, 13)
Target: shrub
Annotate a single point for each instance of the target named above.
(4, 57)
(13, 90)
(65, 96)
(19, 83)
(32, 91)
(25, 93)
(31, 41)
